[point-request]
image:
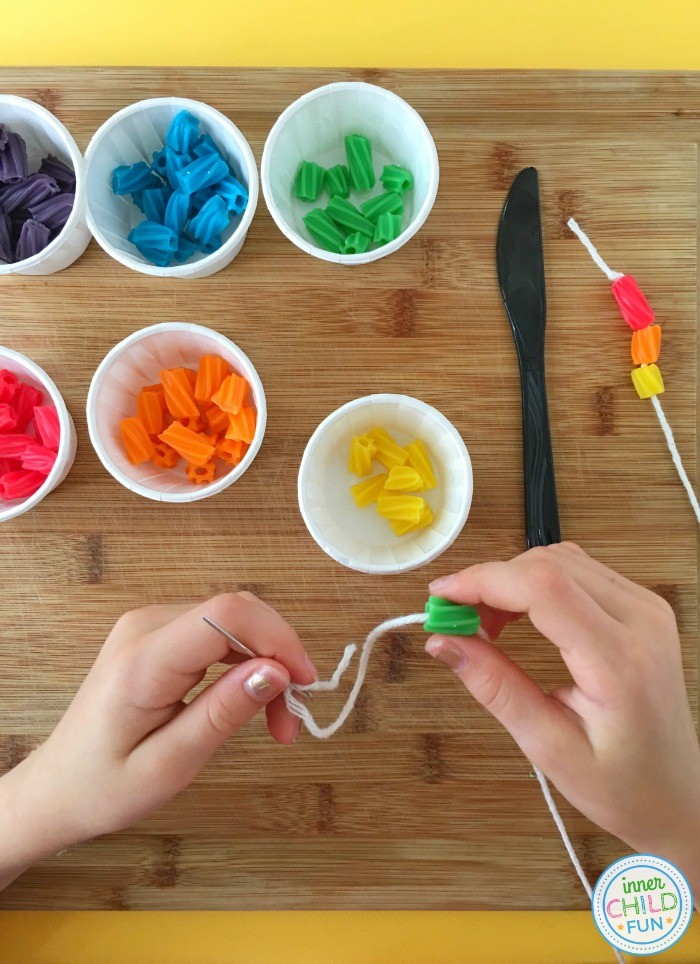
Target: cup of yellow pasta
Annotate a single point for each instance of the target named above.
(385, 484)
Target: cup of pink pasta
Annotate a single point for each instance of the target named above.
(37, 435)
(42, 191)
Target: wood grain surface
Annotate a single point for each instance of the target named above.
(422, 801)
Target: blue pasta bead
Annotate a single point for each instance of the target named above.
(200, 198)
(135, 177)
(162, 259)
(154, 202)
(212, 245)
(174, 162)
(201, 172)
(183, 132)
(177, 211)
(137, 198)
(205, 145)
(158, 162)
(185, 249)
(153, 237)
(211, 220)
(234, 194)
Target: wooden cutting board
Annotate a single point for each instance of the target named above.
(422, 801)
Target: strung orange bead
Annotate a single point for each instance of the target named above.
(646, 345)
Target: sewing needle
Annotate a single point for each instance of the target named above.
(237, 645)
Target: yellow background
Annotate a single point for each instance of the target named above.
(586, 34)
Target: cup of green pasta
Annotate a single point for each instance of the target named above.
(350, 172)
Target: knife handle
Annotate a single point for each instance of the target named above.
(541, 512)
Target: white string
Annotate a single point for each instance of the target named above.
(298, 708)
(675, 455)
(593, 251)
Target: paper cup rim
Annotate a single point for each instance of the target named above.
(77, 162)
(198, 492)
(462, 512)
(65, 424)
(215, 117)
(409, 231)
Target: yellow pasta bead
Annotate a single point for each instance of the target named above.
(419, 460)
(367, 492)
(362, 451)
(388, 452)
(648, 381)
(406, 508)
(402, 478)
(402, 528)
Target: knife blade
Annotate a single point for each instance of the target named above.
(520, 265)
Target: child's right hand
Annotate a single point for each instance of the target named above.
(619, 743)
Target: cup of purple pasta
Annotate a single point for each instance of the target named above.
(43, 225)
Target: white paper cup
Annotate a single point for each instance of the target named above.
(132, 135)
(30, 372)
(360, 538)
(313, 129)
(115, 387)
(45, 134)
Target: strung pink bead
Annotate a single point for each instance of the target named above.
(635, 309)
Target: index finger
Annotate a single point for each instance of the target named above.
(182, 650)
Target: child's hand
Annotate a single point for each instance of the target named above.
(128, 742)
(620, 742)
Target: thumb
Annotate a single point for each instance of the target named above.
(183, 745)
(536, 723)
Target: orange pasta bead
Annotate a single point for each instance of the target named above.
(201, 473)
(193, 424)
(179, 393)
(139, 447)
(150, 406)
(230, 451)
(231, 395)
(242, 425)
(210, 375)
(192, 447)
(646, 345)
(164, 457)
(216, 419)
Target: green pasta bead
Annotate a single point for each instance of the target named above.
(450, 619)
(382, 204)
(346, 215)
(397, 179)
(324, 232)
(338, 181)
(356, 243)
(308, 183)
(388, 228)
(359, 153)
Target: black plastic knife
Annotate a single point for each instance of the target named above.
(520, 263)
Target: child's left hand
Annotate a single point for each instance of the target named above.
(129, 742)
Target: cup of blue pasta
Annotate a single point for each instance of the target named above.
(171, 188)
(43, 225)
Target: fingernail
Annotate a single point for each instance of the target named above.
(310, 667)
(446, 652)
(266, 683)
(442, 583)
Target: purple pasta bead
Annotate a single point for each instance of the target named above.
(33, 238)
(18, 198)
(13, 159)
(5, 239)
(62, 174)
(3, 136)
(54, 211)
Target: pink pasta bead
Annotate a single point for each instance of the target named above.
(9, 465)
(8, 417)
(634, 307)
(24, 402)
(8, 385)
(48, 429)
(20, 485)
(37, 458)
(12, 445)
